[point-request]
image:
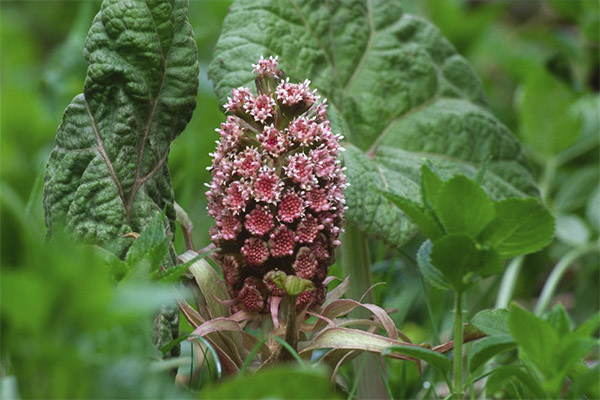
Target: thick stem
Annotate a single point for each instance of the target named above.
(291, 329)
(457, 390)
(356, 264)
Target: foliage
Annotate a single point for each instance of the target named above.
(70, 330)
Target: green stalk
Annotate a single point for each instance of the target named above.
(509, 280)
(356, 264)
(558, 272)
(457, 390)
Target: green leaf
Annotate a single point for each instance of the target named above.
(282, 382)
(436, 360)
(521, 226)
(152, 245)
(461, 262)
(397, 90)
(559, 320)
(492, 322)
(423, 218)
(536, 338)
(431, 274)
(487, 348)
(545, 96)
(502, 376)
(431, 184)
(108, 174)
(586, 382)
(463, 206)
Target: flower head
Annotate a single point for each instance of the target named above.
(276, 190)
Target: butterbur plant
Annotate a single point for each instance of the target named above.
(276, 193)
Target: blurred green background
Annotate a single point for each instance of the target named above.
(539, 62)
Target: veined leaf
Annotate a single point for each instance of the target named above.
(487, 348)
(108, 174)
(397, 91)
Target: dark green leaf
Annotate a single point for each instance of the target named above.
(586, 382)
(281, 382)
(431, 274)
(492, 322)
(397, 90)
(455, 255)
(436, 360)
(487, 348)
(463, 206)
(521, 226)
(423, 218)
(108, 174)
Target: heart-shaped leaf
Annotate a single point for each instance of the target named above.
(397, 91)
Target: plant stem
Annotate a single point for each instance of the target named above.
(457, 390)
(558, 272)
(509, 280)
(356, 264)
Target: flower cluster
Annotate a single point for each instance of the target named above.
(276, 191)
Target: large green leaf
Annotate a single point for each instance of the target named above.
(108, 174)
(397, 90)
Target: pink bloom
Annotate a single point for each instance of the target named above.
(255, 251)
(308, 229)
(266, 67)
(291, 207)
(300, 170)
(237, 195)
(238, 98)
(303, 131)
(305, 264)
(259, 221)
(250, 295)
(230, 226)
(267, 186)
(273, 141)
(282, 242)
(261, 107)
(247, 162)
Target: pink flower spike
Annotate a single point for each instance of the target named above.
(259, 221)
(291, 207)
(273, 141)
(305, 264)
(238, 98)
(308, 229)
(255, 251)
(282, 242)
(261, 107)
(266, 67)
(267, 186)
